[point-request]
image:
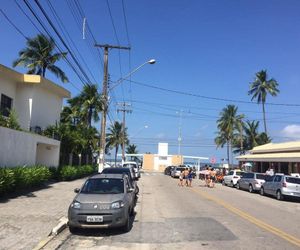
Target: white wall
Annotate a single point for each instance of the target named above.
(46, 108)
(7, 87)
(23, 93)
(19, 148)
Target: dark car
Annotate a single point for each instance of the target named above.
(104, 201)
(128, 171)
(168, 170)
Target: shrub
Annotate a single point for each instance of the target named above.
(68, 173)
(7, 180)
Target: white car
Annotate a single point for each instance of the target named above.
(232, 177)
(134, 165)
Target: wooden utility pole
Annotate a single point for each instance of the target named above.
(105, 103)
(124, 109)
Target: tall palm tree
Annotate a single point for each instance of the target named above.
(260, 88)
(89, 103)
(115, 137)
(39, 56)
(227, 125)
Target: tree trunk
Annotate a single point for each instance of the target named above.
(264, 115)
(70, 159)
(116, 155)
(228, 154)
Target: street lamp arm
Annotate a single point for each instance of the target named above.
(152, 61)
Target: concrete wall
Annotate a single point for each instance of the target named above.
(24, 148)
(148, 162)
(177, 160)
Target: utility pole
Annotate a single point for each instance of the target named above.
(124, 109)
(105, 102)
(179, 133)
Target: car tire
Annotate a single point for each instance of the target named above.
(131, 211)
(231, 183)
(137, 190)
(126, 228)
(238, 185)
(250, 188)
(279, 195)
(262, 191)
(73, 230)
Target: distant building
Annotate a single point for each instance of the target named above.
(159, 161)
(38, 104)
(281, 157)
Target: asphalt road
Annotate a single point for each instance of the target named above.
(172, 217)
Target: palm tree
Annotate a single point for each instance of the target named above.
(89, 103)
(115, 137)
(39, 56)
(132, 149)
(260, 88)
(227, 124)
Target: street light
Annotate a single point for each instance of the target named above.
(105, 98)
(139, 130)
(152, 61)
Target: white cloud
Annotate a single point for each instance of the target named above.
(291, 131)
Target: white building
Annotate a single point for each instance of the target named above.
(38, 104)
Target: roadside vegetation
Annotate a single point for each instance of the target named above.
(18, 179)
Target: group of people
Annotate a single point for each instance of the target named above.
(210, 177)
(185, 178)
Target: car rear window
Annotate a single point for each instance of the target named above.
(260, 176)
(103, 186)
(180, 169)
(293, 180)
(239, 173)
(128, 165)
(118, 171)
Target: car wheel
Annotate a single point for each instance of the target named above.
(231, 184)
(126, 228)
(73, 230)
(279, 195)
(262, 192)
(131, 212)
(238, 185)
(250, 188)
(137, 189)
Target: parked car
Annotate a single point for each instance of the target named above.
(176, 171)
(281, 186)
(251, 181)
(232, 177)
(168, 170)
(134, 165)
(129, 172)
(104, 201)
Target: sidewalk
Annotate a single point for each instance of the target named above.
(28, 219)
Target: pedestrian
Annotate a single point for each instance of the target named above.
(207, 177)
(190, 178)
(212, 177)
(185, 176)
(180, 183)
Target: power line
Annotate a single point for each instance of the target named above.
(16, 28)
(63, 42)
(209, 97)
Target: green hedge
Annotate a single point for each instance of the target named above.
(20, 178)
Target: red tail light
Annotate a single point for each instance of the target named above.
(284, 184)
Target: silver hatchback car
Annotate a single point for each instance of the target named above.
(251, 181)
(104, 201)
(281, 186)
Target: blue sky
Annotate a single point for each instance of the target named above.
(205, 48)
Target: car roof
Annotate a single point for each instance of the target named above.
(116, 170)
(109, 175)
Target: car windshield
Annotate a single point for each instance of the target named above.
(103, 186)
(294, 180)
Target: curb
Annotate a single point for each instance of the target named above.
(55, 231)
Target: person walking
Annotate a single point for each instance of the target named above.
(212, 177)
(190, 178)
(186, 179)
(180, 183)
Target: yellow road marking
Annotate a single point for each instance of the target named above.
(250, 218)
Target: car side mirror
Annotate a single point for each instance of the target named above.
(76, 190)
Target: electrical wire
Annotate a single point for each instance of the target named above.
(209, 97)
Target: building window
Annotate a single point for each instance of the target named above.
(163, 158)
(6, 105)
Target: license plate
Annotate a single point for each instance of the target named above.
(94, 218)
